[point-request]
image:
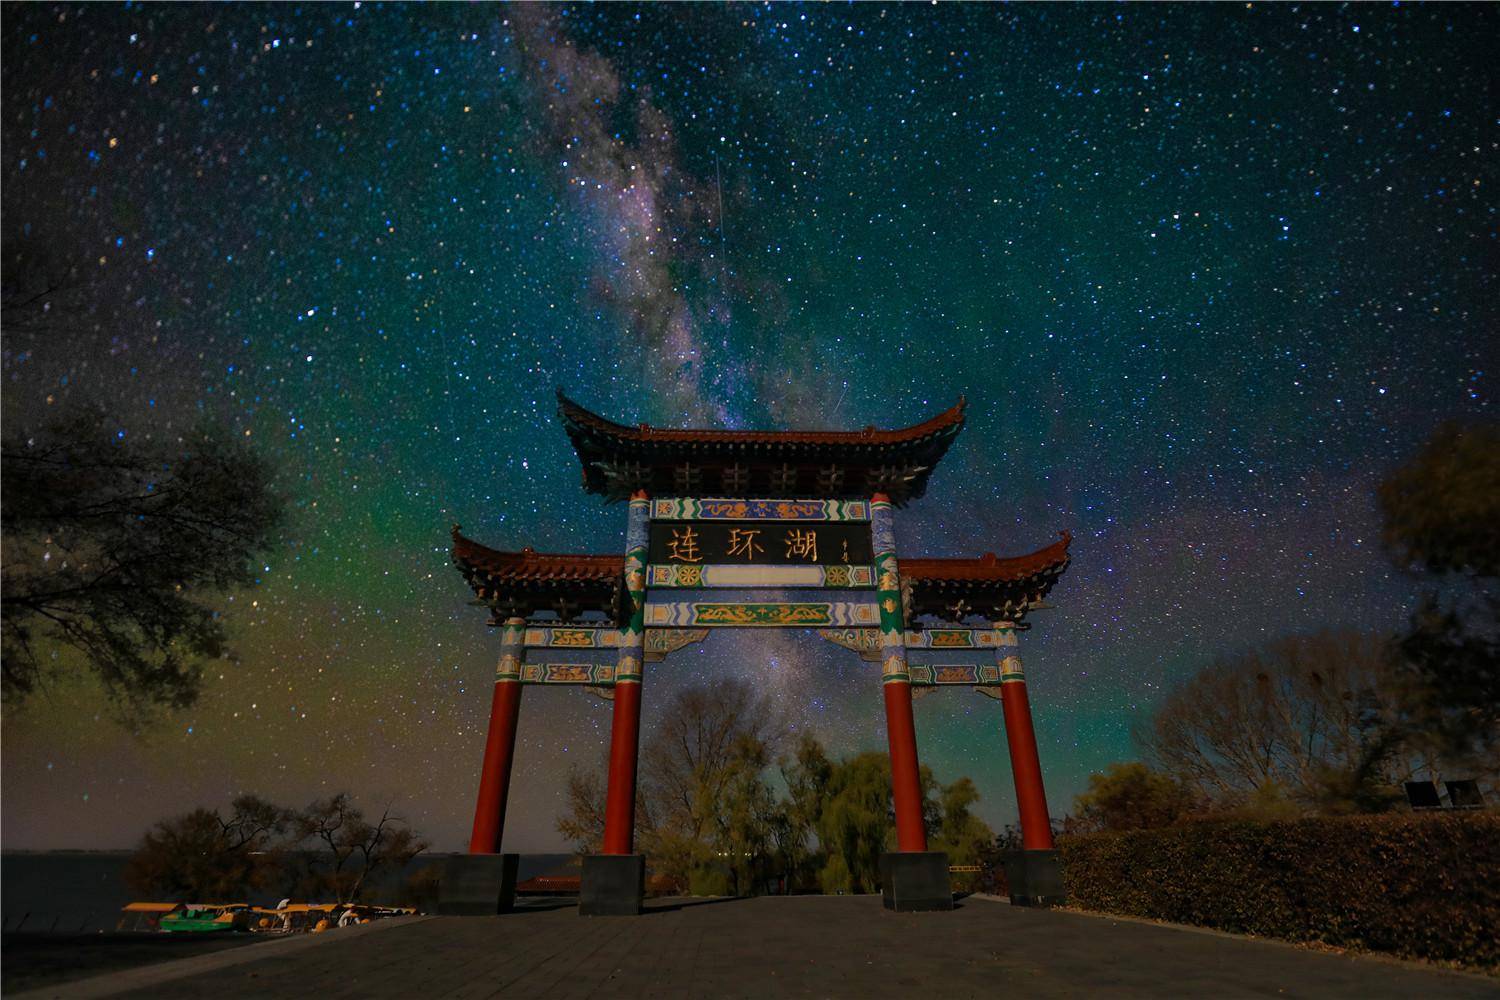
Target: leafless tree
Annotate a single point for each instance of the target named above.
(1306, 713)
(358, 847)
(205, 856)
(691, 758)
(700, 794)
(583, 822)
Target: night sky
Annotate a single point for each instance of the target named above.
(1203, 272)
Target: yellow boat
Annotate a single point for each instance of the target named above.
(145, 916)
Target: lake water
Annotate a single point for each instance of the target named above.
(82, 891)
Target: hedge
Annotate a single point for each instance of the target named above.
(1415, 885)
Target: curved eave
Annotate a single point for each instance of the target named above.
(526, 583)
(577, 417)
(618, 460)
(990, 568)
(990, 588)
(528, 564)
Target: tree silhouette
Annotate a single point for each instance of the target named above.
(113, 547)
(204, 857)
(1442, 522)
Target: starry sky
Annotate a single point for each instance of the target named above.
(1204, 273)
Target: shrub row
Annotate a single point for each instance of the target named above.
(1419, 886)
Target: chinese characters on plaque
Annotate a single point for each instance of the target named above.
(758, 543)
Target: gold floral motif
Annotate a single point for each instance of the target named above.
(572, 637)
(724, 508)
(762, 614)
(798, 511)
(950, 638)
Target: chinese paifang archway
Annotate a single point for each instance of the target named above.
(762, 529)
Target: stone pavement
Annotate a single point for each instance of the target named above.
(815, 946)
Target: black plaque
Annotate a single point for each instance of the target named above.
(1465, 794)
(760, 543)
(1423, 795)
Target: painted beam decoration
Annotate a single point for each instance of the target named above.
(682, 575)
(759, 510)
(586, 674)
(756, 614)
(941, 642)
(659, 641)
(581, 637)
(961, 638)
(954, 674)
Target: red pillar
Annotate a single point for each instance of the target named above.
(906, 782)
(500, 744)
(625, 727)
(1025, 766)
(624, 743)
(900, 730)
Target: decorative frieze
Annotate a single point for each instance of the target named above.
(752, 614)
(717, 509)
(684, 575)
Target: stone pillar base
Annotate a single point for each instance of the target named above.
(1035, 878)
(478, 885)
(613, 885)
(916, 880)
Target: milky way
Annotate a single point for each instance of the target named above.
(1203, 273)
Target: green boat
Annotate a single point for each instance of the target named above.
(206, 920)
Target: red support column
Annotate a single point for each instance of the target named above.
(624, 745)
(1025, 766)
(625, 727)
(906, 782)
(900, 730)
(500, 743)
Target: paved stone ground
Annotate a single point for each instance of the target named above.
(807, 946)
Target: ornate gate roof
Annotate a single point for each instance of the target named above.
(619, 459)
(526, 583)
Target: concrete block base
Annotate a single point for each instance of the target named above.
(478, 885)
(916, 880)
(1035, 878)
(613, 885)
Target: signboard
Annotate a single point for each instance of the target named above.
(759, 543)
